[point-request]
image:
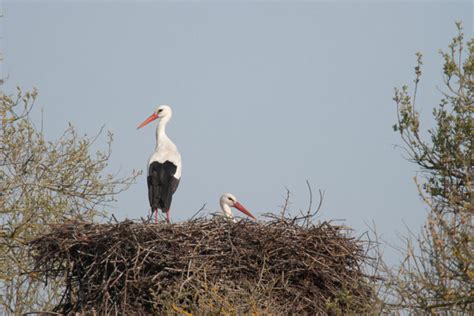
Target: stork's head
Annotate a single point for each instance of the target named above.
(163, 112)
(228, 200)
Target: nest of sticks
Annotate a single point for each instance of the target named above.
(205, 266)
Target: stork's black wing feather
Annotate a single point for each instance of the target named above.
(161, 184)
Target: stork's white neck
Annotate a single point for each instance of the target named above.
(227, 211)
(165, 149)
(161, 137)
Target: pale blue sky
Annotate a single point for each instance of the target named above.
(265, 94)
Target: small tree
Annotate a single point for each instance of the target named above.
(43, 182)
(437, 275)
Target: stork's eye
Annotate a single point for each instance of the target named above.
(160, 110)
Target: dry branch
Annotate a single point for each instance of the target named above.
(278, 266)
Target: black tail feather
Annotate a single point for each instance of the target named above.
(161, 184)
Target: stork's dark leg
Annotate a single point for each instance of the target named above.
(150, 216)
(156, 216)
(168, 216)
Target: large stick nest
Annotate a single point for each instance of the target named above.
(205, 265)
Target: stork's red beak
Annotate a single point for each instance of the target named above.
(240, 207)
(151, 118)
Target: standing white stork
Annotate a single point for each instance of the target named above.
(164, 167)
(227, 201)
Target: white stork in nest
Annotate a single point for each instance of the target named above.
(164, 166)
(227, 201)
